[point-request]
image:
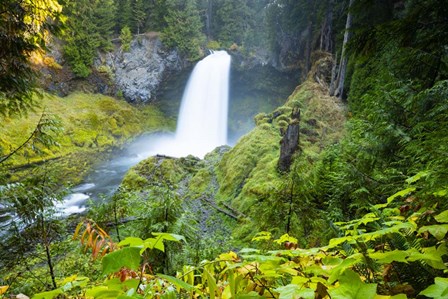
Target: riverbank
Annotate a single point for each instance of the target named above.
(71, 134)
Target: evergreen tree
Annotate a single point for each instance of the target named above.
(123, 14)
(23, 29)
(104, 12)
(232, 21)
(90, 27)
(158, 9)
(126, 38)
(184, 28)
(139, 15)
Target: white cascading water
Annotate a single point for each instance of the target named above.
(202, 122)
(202, 126)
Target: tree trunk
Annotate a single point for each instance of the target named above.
(333, 75)
(290, 142)
(50, 265)
(327, 27)
(46, 243)
(339, 91)
(208, 19)
(308, 46)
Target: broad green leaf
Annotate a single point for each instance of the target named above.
(292, 291)
(211, 283)
(438, 290)
(299, 280)
(417, 177)
(228, 256)
(102, 292)
(170, 237)
(352, 287)
(131, 241)
(250, 295)
(438, 230)
(264, 258)
(286, 238)
(431, 255)
(441, 193)
(48, 295)
(337, 241)
(390, 256)
(73, 281)
(442, 217)
(399, 296)
(249, 250)
(157, 242)
(152, 243)
(401, 193)
(128, 257)
(339, 270)
(177, 282)
(261, 236)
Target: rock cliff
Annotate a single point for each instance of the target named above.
(137, 74)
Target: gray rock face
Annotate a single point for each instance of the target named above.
(139, 72)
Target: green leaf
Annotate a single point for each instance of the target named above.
(292, 291)
(157, 242)
(399, 296)
(438, 290)
(102, 292)
(340, 269)
(417, 177)
(170, 237)
(401, 193)
(442, 217)
(261, 236)
(131, 241)
(286, 238)
(441, 193)
(128, 257)
(352, 287)
(177, 282)
(48, 295)
(431, 255)
(250, 295)
(390, 256)
(211, 283)
(438, 230)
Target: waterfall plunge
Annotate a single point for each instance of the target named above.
(202, 123)
(202, 126)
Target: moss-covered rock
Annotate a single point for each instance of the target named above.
(248, 176)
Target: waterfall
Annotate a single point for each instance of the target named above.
(201, 127)
(202, 121)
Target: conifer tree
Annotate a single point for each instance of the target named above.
(138, 15)
(24, 26)
(184, 28)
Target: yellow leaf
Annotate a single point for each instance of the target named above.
(3, 289)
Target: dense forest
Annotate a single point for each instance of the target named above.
(340, 192)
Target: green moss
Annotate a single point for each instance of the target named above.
(238, 164)
(200, 183)
(159, 171)
(88, 123)
(247, 174)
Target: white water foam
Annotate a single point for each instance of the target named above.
(202, 123)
